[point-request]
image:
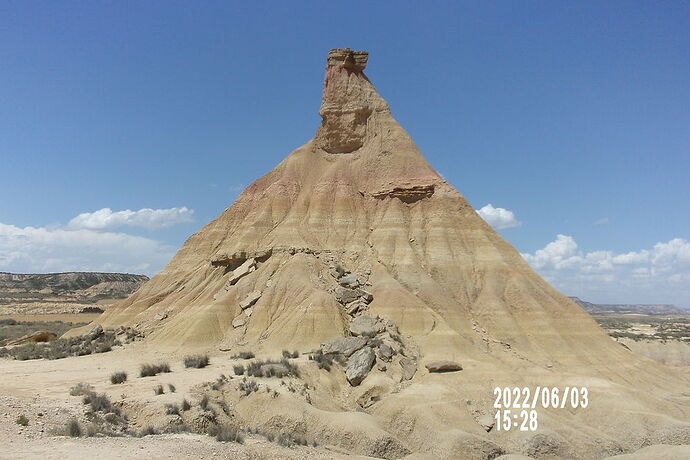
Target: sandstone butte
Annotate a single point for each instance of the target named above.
(360, 199)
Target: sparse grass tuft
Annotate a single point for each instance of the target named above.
(196, 361)
(158, 390)
(204, 402)
(323, 361)
(186, 405)
(118, 377)
(100, 403)
(243, 355)
(172, 409)
(148, 431)
(22, 420)
(248, 386)
(149, 370)
(220, 381)
(171, 388)
(272, 368)
(80, 389)
(226, 433)
(72, 428)
(288, 355)
(239, 369)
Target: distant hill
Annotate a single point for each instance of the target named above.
(64, 292)
(646, 309)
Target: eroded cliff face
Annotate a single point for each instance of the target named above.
(361, 196)
(349, 100)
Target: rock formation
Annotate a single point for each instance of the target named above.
(354, 241)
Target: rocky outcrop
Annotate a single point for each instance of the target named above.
(250, 300)
(367, 326)
(239, 321)
(235, 259)
(443, 366)
(349, 99)
(343, 345)
(359, 365)
(409, 368)
(406, 194)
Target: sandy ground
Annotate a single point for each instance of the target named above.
(39, 390)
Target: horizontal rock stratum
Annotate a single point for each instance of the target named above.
(435, 282)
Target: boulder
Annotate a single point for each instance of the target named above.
(343, 345)
(366, 295)
(38, 336)
(409, 368)
(96, 331)
(349, 281)
(385, 352)
(443, 366)
(239, 321)
(250, 300)
(366, 325)
(247, 267)
(248, 312)
(346, 295)
(359, 365)
(354, 307)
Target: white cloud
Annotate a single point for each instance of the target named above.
(498, 218)
(151, 219)
(39, 249)
(659, 274)
(602, 221)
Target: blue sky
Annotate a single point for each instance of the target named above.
(572, 116)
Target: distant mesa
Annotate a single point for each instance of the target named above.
(642, 309)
